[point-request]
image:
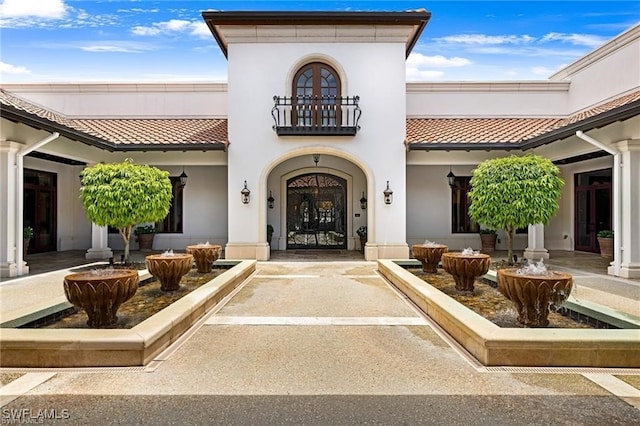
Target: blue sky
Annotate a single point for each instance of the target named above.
(167, 41)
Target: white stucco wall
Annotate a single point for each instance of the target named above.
(185, 100)
(375, 72)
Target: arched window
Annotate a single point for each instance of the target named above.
(316, 89)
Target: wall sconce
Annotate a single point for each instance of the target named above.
(363, 202)
(270, 200)
(388, 195)
(245, 194)
(451, 178)
(183, 178)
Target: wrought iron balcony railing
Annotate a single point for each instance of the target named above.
(316, 115)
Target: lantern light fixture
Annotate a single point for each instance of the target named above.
(363, 202)
(270, 200)
(388, 195)
(183, 178)
(245, 194)
(451, 178)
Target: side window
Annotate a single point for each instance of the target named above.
(316, 87)
(461, 223)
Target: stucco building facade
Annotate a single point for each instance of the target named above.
(317, 122)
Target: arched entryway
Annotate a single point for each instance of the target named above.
(316, 212)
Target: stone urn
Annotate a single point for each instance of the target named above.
(169, 268)
(534, 295)
(429, 255)
(100, 293)
(465, 268)
(204, 256)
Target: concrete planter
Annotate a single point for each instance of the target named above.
(145, 242)
(606, 247)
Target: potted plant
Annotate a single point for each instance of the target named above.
(605, 241)
(144, 236)
(362, 233)
(27, 235)
(488, 238)
(269, 233)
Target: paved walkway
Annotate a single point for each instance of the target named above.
(319, 343)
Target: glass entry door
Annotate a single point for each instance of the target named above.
(40, 189)
(316, 212)
(592, 208)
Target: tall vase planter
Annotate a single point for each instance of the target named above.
(144, 235)
(605, 242)
(488, 238)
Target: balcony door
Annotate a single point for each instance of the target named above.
(316, 89)
(316, 212)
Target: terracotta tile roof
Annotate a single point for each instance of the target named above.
(434, 131)
(157, 131)
(128, 133)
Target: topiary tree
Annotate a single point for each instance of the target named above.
(513, 192)
(124, 194)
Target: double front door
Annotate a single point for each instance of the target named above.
(316, 212)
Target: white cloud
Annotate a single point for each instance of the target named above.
(482, 39)
(415, 74)
(419, 60)
(575, 39)
(173, 26)
(47, 9)
(12, 69)
(543, 71)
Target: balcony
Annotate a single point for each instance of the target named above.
(316, 115)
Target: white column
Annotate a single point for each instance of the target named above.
(99, 243)
(9, 255)
(629, 228)
(535, 249)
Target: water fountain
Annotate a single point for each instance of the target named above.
(100, 293)
(465, 267)
(429, 254)
(204, 255)
(169, 268)
(534, 291)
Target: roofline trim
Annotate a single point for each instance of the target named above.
(214, 19)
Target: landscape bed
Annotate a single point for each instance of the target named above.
(137, 346)
(492, 345)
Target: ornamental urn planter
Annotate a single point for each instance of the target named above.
(534, 295)
(429, 255)
(169, 268)
(465, 268)
(145, 242)
(100, 293)
(204, 256)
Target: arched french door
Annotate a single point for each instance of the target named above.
(316, 212)
(316, 89)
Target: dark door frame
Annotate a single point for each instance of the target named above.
(599, 215)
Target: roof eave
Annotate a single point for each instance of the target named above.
(214, 19)
(20, 116)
